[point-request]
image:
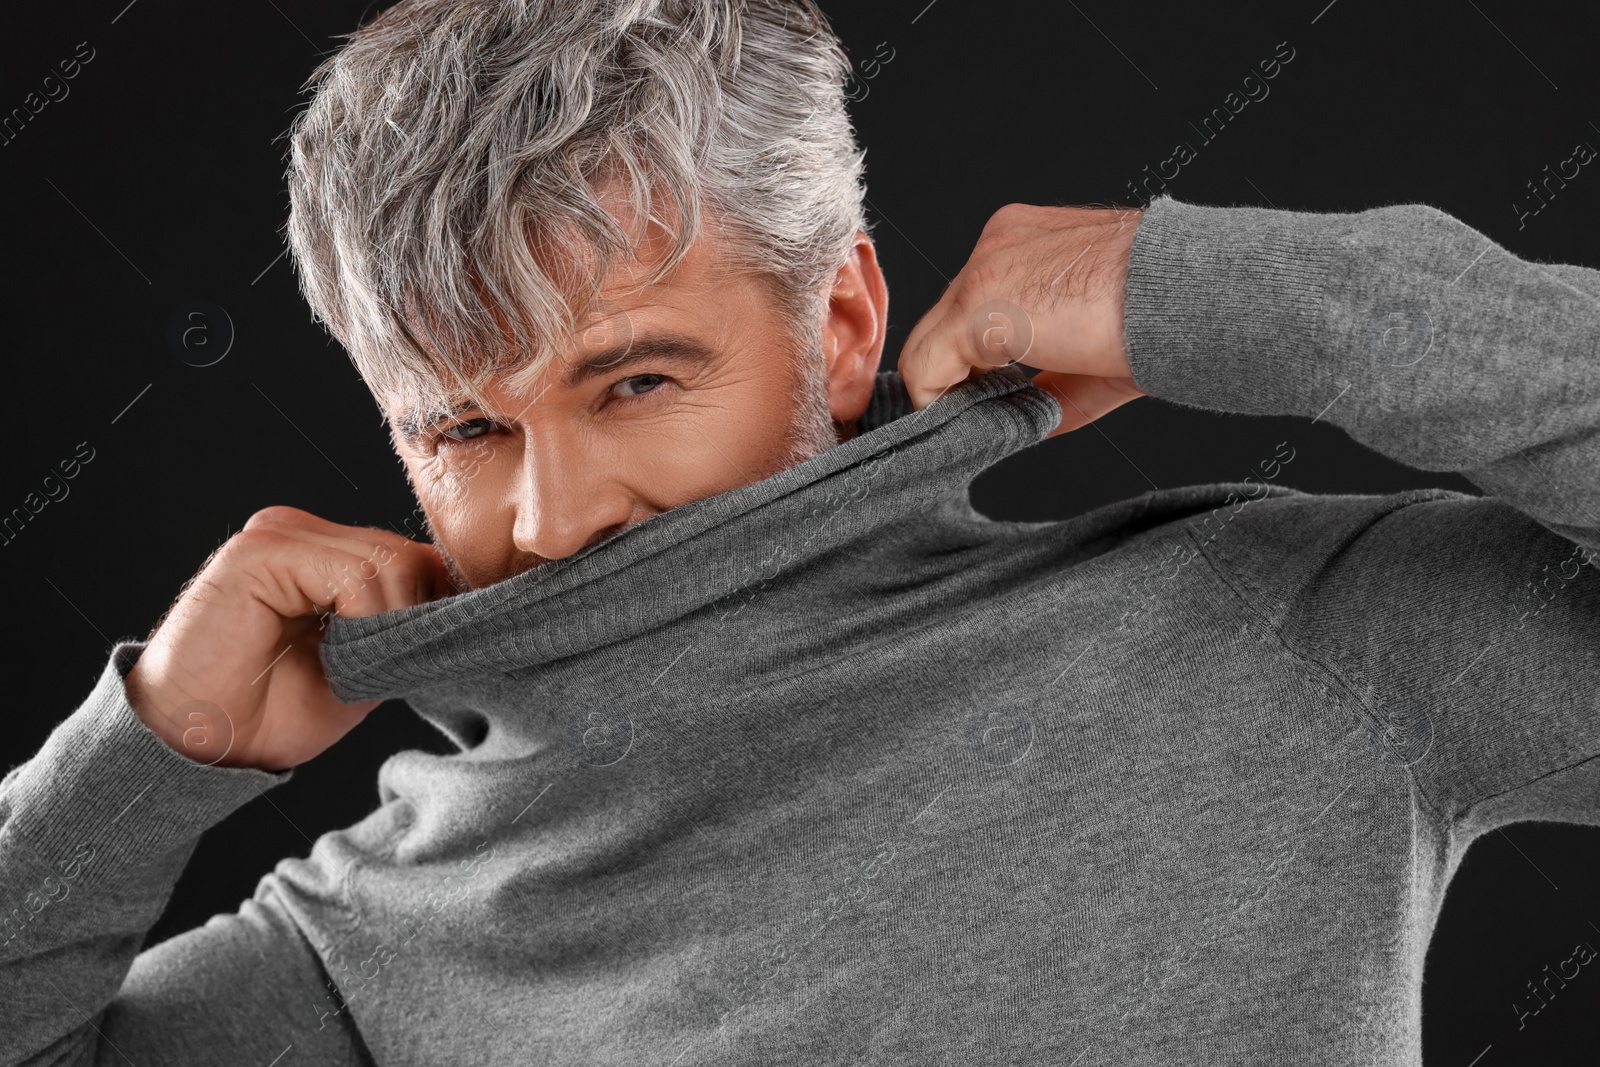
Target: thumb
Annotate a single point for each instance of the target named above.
(938, 356)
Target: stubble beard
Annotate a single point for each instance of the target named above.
(812, 430)
(457, 578)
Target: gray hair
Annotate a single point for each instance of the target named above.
(448, 140)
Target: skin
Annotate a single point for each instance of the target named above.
(560, 466)
(231, 675)
(1066, 270)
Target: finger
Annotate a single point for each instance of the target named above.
(421, 575)
(290, 573)
(414, 573)
(913, 356)
(293, 574)
(295, 518)
(407, 572)
(1085, 397)
(253, 594)
(941, 357)
(917, 338)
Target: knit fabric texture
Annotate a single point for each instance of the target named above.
(832, 768)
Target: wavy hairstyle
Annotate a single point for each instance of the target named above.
(448, 140)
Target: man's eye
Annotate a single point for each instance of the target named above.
(471, 429)
(466, 431)
(653, 379)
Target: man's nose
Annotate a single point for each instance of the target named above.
(566, 500)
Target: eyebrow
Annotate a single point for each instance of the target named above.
(676, 348)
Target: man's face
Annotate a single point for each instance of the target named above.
(706, 400)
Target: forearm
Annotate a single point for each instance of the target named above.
(1408, 329)
(95, 830)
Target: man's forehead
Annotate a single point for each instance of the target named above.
(628, 318)
(563, 245)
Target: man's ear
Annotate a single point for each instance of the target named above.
(853, 331)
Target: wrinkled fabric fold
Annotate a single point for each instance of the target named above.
(704, 552)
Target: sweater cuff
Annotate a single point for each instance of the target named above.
(1223, 307)
(107, 785)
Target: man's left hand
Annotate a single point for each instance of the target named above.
(1043, 287)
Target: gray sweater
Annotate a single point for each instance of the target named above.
(831, 768)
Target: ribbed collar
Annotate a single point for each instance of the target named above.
(764, 542)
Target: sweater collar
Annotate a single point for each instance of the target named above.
(769, 540)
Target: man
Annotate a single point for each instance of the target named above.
(771, 748)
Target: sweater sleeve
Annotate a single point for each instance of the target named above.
(94, 831)
(1461, 632)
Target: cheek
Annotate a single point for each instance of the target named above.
(461, 472)
(707, 448)
(454, 484)
(459, 494)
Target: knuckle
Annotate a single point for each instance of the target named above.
(248, 544)
(276, 515)
(976, 284)
(321, 564)
(237, 563)
(1010, 213)
(1007, 221)
(960, 288)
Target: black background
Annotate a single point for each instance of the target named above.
(158, 181)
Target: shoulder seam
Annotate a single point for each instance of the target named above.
(1397, 501)
(1343, 688)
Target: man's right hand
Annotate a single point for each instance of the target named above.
(232, 674)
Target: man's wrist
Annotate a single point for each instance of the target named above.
(145, 708)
